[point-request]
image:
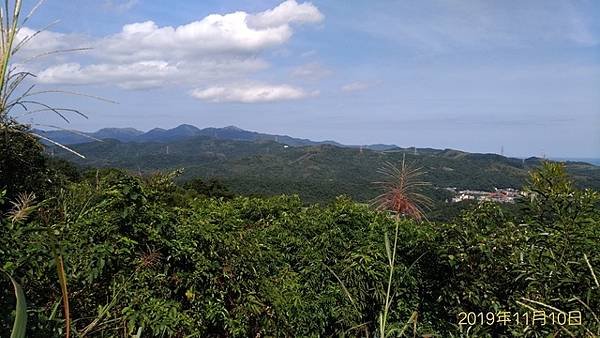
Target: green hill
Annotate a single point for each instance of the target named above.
(316, 173)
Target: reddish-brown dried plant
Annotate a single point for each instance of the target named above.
(402, 188)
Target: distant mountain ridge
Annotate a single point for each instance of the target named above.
(186, 131)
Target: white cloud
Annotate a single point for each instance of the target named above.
(287, 12)
(148, 74)
(250, 93)
(145, 55)
(214, 34)
(144, 74)
(46, 42)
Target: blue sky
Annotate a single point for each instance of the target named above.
(473, 75)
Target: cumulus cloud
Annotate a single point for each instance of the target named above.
(144, 74)
(287, 12)
(148, 74)
(237, 33)
(233, 33)
(250, 93)
(225, 34)
(145, 55)
(46, 42)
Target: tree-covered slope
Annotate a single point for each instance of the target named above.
(317, 173)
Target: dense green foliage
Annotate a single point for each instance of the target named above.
(22, 164)
(25, 168)
(208, 188)
(143, 252)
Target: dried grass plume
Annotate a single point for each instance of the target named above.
(402, 189)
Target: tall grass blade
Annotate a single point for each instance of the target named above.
(75, 132)
(587, 261)
(62, 278)
(54, 52)
(20, 324)
(68, 92)
(32, 11)
(58, 144)
(28, 38)
(401, 331)
(342, 284)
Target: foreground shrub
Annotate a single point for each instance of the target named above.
(141, 253)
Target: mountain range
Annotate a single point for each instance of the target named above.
(261, 164)
(183, 132)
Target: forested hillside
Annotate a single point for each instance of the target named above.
(316, 173)
(179, 133)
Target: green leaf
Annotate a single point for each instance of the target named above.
(387, 248)
(20, 324)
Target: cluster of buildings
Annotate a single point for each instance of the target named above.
(507, 195)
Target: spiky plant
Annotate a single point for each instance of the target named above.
(14, 93)
(22, 207)
(402, 196)
(15, 96)
(402, 188)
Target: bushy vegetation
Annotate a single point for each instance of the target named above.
(144, 255)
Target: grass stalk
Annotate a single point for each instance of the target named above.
(62, 280)
(587, 261)
(391, 254)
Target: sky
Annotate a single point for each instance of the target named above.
(522, 77)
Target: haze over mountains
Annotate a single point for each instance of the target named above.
(185, 131)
